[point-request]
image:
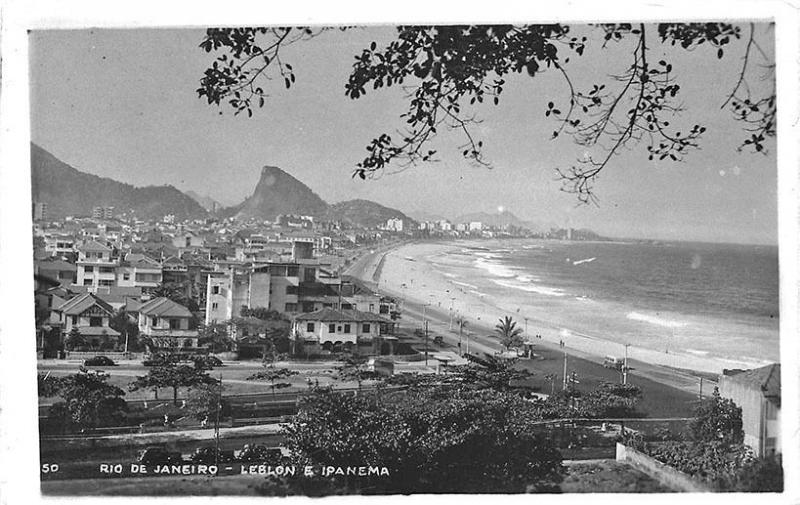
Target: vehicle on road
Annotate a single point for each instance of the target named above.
(260, 453)
(208, 455)
(613, 362)
(157, 455)
(99, 361)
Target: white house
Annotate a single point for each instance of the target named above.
(336, 330)
(166, 323)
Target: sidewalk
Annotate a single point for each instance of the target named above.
(173, 436)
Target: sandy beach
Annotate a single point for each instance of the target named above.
(405, 273)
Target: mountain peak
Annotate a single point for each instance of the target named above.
(278, 192)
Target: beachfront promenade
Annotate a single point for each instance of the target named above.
(391, 269)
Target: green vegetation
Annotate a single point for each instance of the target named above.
(431, 440)
(510, 336)
(172, 376)
(714, 452)
(88, 402)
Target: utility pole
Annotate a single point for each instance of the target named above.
(216, 422)
(451, 312)
(426, 343)
(460, 333)
(126, 342)
(625, 366)
(564, 387)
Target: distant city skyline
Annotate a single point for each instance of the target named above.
(116, 104)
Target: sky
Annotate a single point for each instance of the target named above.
(123, 104)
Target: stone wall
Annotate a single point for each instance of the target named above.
(664, 474)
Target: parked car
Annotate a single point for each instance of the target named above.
(204, 361)
(206, 455)
(99, 361)
(613, 363)
(157, 455)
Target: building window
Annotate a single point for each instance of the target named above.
(154, 321)
(214, 290)
(87, 282)
(365, 328)
(174, 324)
(347, 328)
(347, 306)
(331, 328)
(74, 320)
(214, 305)
(88, 269)
(106, 282)
(310, 327)
(95, 321)
(290, 307)
(372, 307)
(126, 277)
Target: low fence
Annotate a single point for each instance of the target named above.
(116, 356)
(664, 474)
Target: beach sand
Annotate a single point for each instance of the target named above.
(404, 273)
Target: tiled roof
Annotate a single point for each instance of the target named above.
(94, 245)
(111, 294)
(331, 315)
(55, 265)
(164, 307)
(767, 379)
(79, 304)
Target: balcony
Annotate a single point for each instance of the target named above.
(166, 332)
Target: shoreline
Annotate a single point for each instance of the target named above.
(393, 270)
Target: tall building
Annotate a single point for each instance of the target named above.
(96, 267)
(100, 212)
(39, 211)
(394, 224)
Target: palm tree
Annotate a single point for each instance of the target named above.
(510, 335)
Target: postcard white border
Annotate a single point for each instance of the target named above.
(19, 478)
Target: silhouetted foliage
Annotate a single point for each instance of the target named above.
(448, 72)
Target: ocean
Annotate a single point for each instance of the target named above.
(719, 301)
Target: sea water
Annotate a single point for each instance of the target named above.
(714, 300)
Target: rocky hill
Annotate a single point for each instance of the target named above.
(363, 213)
(70, 192)
(278, 193)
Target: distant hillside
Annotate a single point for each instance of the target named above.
(278, 193)
(206, 202)
(364, 213)
(68, 191)
(501, 219)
